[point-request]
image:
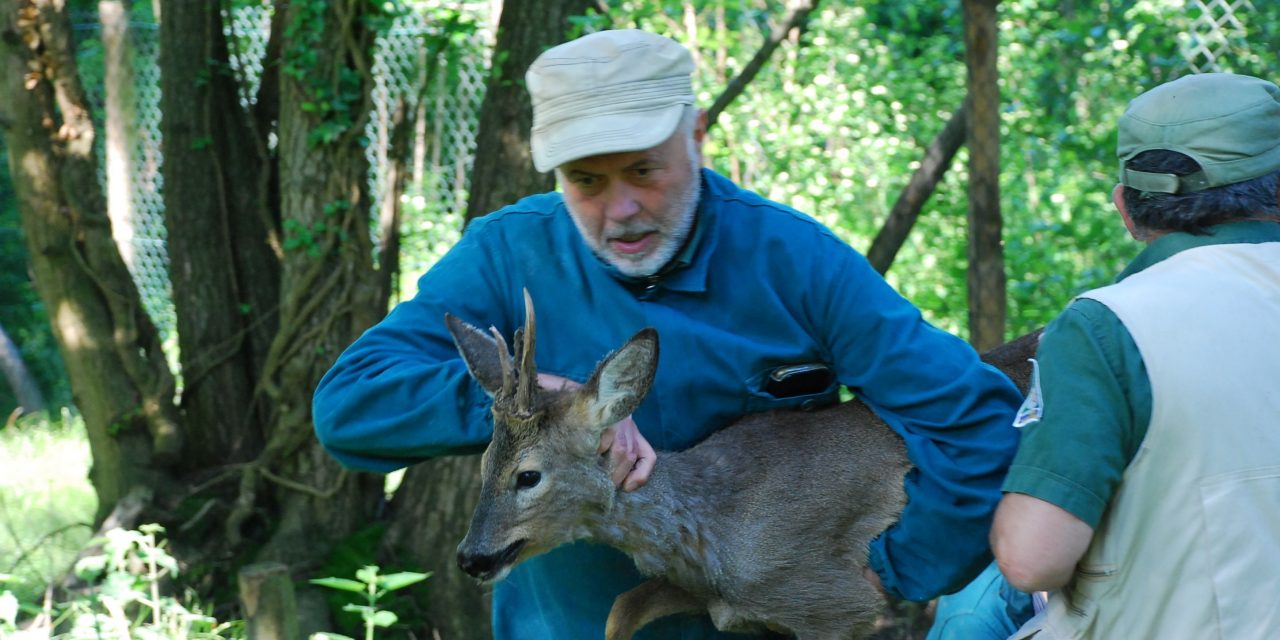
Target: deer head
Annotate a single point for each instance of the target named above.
(542, 479)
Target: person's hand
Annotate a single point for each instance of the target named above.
(873, 578)
(631, 457)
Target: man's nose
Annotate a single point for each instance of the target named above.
(622, 202)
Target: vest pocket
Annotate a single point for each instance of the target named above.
(1242, 523)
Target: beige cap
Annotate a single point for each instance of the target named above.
(607, 92)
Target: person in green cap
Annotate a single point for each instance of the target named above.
(1145, 495)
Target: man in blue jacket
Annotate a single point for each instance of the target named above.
(741, 291)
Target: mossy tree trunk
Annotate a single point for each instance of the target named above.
(119, 378)
(272, 277)
(435, 501)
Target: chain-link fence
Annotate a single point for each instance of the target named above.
(1217, 32)
(445, 91)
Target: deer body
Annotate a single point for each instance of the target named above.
(764, 525)
(767, 523)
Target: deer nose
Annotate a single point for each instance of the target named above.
(477, 565)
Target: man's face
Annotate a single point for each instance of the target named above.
(636, 209)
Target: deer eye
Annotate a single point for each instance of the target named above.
(528, 479)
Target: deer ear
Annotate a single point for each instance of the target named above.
(480, 351)
(621, 380)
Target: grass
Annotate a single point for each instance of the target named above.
(46, 501)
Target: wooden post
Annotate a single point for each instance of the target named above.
(986, 253)
(270, 612)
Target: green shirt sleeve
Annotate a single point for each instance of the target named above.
(1097, 406)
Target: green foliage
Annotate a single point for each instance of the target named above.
(837, 126)
(298, 236)
(46, 502)
(428, 231)
(130, 572)
(350, 557)
(374, 587)
(126, 600)
(336, 98)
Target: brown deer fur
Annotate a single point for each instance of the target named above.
(764, 525)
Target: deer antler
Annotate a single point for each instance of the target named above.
(527, 379)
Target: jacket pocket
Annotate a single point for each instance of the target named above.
(805, 386)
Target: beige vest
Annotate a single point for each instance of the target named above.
(1189, 546)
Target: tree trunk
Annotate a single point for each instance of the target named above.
(328, 292)
(402, 125)
(434, 503)
(121, 115)
(986, 251)
(222, 236)
(119, 378)
(266, 593)
(503, 170)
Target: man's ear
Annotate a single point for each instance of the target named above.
(1117, 198)
(700, 133)
(620, 381)
(480, 351)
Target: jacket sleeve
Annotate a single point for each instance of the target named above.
(400, 393)
(953, 411)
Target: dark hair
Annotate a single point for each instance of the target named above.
(1196, 212)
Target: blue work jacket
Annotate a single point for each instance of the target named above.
(759, 286)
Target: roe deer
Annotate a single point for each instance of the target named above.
(736, 526)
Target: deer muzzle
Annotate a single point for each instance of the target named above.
(487, 567)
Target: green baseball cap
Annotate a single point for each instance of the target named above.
(1229, 124)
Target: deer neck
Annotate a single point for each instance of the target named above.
(662, 526)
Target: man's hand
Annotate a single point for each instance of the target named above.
(630, 455)
(873, 578)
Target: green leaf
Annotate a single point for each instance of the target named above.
(384, 619)
(90, 567)
(368, 574)
(341, 584)
(393, 581)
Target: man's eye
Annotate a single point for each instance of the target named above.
(528, 479)
(585, 181)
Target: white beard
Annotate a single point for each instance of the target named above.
(671, 242)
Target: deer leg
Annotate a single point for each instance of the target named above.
(653, 599)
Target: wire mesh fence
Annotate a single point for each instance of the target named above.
(1218, 32)
(445, 87)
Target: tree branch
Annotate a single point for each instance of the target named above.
(937, 158)
(796, 18)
